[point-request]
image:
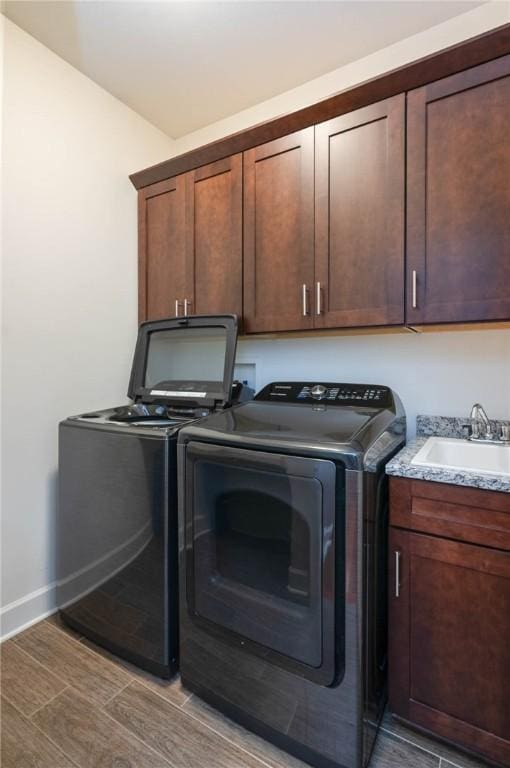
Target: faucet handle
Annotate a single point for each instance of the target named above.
(505, 433)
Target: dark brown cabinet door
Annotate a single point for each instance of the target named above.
(449, 649)
(214, 238)
(359, 217)
(161, 278)
(279, 234)
(458, 204)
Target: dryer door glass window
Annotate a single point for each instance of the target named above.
(262, 547)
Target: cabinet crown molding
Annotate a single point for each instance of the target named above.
(469, 53)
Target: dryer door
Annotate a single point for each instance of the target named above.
(261, 553)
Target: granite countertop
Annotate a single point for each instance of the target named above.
(442, 426)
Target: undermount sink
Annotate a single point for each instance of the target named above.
(456, 454)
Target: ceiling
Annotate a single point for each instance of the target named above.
(184, 65)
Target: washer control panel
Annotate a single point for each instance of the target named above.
(372, 395)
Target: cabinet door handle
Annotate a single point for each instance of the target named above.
(318, 299)
(177, 305)
(397, 574)
(187, 303)
(304, 295)
(414, 287)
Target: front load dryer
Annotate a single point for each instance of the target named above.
(283, 521)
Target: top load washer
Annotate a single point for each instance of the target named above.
(283, 523)
(117, 515)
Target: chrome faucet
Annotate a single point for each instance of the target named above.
(481, 426)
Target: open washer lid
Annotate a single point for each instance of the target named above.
(185, 360)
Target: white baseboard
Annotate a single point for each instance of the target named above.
(28, 610)
(36, 606)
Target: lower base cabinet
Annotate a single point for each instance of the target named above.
(449, 613)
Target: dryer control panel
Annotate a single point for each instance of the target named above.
(372, 395)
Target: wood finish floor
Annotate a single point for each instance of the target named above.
(67, 703)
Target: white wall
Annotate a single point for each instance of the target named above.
(435, 373)
(69, 286)
(462, 27)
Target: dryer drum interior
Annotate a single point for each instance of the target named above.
(266, 554)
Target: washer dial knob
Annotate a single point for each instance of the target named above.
(318, 392)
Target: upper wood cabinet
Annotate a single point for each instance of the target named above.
(161, 248)
(279, 234)
(458, 197)
(324, 237)
(214, 238)
(359, 217)
(190, 243)
(396, 213)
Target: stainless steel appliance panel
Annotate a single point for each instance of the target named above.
(317, 722)
(248, 671)
(116, 564)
